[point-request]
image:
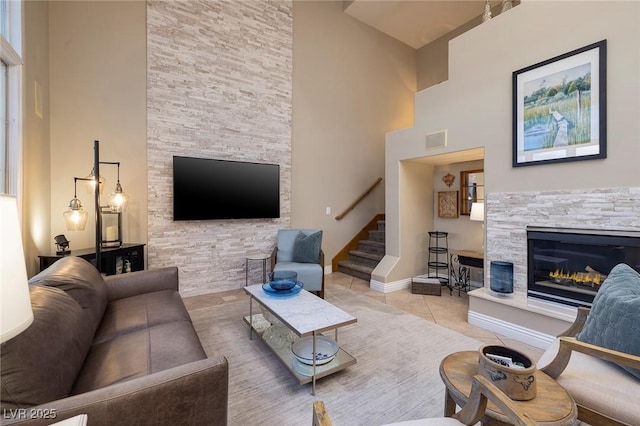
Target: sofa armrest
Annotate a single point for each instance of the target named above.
(194, 393)
(132, 284)
(569, 344)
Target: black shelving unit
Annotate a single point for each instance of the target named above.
(133, 252)
(439, 256)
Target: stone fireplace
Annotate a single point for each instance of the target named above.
(509, 217)
(568, 266)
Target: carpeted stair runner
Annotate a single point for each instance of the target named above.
(366, 257)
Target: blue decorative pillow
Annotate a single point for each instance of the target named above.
(306, 248)
(614, 320)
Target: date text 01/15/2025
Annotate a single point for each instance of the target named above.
(29, 413)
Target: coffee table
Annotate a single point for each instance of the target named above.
(304, 314)
(551, 406)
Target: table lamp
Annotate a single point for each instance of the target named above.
(16, 314)
(477, 212)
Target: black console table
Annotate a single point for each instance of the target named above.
(465, 260)
(133, 252)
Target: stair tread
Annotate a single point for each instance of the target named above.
(357, 266)
(366, 254)
(373, 243)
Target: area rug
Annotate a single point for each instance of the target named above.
(395, 378)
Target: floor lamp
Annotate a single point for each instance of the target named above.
(76, 218)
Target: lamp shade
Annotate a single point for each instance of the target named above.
(477, 211)
(118, 199)
(16, 314)
(90, 183)
(75, 219)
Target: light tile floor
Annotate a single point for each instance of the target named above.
(447, 310)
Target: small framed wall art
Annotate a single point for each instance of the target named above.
(448, 204)
(559, 108)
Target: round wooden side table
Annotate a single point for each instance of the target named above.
(552, 405)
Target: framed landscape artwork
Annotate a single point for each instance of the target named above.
(448, 204)
(559, 108)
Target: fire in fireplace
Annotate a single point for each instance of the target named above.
(568, 266)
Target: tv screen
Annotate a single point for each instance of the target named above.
(221, 189)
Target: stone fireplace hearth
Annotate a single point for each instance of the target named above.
(508, 215)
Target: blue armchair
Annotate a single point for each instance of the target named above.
(299, 250)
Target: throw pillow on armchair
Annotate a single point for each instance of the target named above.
(306, 248)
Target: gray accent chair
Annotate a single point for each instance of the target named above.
(285, 257)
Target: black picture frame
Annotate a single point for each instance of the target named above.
(560, 108)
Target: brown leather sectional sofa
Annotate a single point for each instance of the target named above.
(121, 349)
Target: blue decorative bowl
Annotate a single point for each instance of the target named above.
(282, 293)
(282, 285)
(283, 280)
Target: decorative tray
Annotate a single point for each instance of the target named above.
(282, 293)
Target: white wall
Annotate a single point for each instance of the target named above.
(351, 85)
(37, 195)
(474, 105)
(97, 80)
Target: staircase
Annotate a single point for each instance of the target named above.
(368, 252)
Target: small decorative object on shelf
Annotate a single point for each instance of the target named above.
(506, 5)
(62, 244)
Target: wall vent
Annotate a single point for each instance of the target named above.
(436, 140)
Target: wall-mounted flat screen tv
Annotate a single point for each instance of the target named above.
(205, 189)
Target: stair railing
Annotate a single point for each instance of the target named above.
(359, 199)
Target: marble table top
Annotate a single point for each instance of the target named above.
(304, 312)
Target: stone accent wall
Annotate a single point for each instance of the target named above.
(509, 214)
(219, 83)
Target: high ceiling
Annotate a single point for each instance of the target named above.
(416, 23)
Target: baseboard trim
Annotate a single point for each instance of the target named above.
(510, 330)
(390, 287)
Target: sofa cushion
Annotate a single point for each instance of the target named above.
(138, 312)
(41, 364)
(80, 280)
(138, 354)
(306, 248)
(614, 320)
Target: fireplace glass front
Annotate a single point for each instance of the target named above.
(568, 266)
